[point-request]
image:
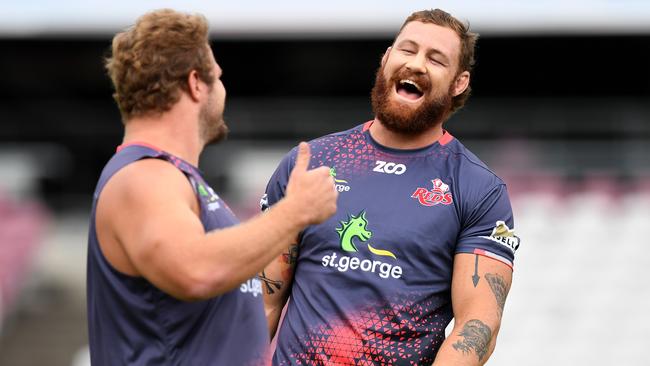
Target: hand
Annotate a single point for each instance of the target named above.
(312, 192)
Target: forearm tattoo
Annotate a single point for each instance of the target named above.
(270, 284)
(499, 289)
(476, 336)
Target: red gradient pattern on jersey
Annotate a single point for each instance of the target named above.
(408, 332)
(349, 153)
(352, 153)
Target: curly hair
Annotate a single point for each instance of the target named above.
(150, 61)
(467, 44)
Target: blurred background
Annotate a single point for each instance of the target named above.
(560, 110)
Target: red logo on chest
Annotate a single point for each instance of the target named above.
(439, 194)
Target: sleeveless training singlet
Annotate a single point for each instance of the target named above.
(372, 284)
(131, 322)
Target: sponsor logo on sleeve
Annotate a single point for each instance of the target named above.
(503, 235)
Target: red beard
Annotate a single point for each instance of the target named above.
(402, 119)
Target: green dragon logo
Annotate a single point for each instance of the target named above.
(355, 227)
(333, 174)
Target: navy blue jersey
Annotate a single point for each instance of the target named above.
(131, 322)
(372, 284)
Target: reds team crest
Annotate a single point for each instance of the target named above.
(439, 194)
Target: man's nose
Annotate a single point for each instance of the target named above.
(416, 63)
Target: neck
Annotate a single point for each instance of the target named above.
(396, 140)
(175, 131)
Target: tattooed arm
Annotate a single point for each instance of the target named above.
(276, 281)
(479, 289)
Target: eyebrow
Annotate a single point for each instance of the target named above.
(429, 52)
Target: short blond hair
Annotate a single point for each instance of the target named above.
(150, 61)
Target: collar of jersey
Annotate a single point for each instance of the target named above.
(419, 151)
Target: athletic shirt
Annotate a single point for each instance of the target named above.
(131, 322)
(372, 284)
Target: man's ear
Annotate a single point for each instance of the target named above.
(194, 85)
(385, 56)
(461, 83)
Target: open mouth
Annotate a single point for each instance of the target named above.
(409, 89)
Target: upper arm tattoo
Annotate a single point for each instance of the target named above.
(291, 256)
(499, 289)
(476, 336)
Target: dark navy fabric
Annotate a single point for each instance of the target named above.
(131, 322)
(372, 284)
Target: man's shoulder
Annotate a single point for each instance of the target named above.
(339, 136)
(327, 144)
(470, 166)
(147, 177)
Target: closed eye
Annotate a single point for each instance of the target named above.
(437, 62)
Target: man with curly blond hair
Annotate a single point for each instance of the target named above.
(171, 271)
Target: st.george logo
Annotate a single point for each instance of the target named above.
(341, 185)
(389, 168)
(212, 200)
(439, 194)
(207, 194)
(356, 229)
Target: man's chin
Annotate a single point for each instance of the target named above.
(402, 111)
(218, 134)
(406, 119)
(398, 123)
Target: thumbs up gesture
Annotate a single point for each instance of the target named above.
(312, 191)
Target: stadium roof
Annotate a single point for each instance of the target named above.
(332, 18)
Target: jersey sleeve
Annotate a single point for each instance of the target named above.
(488, 229)
(277, 185)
